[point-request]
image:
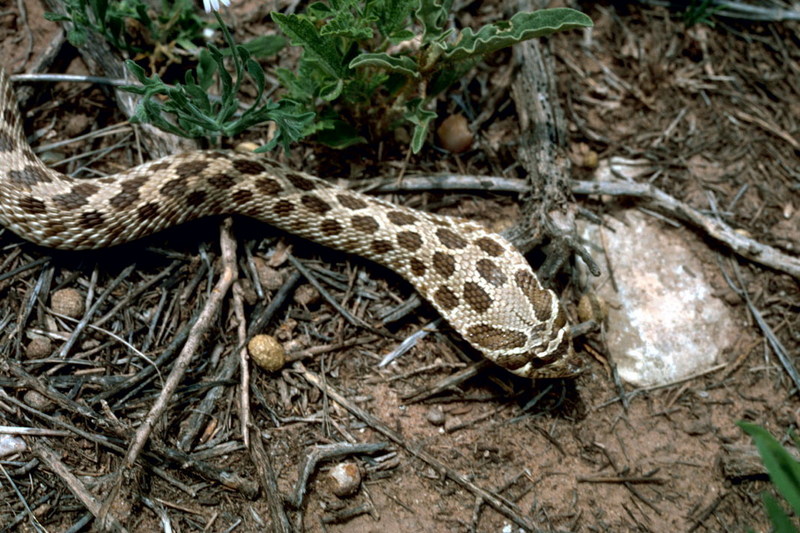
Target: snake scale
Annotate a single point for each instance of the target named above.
(477, 280)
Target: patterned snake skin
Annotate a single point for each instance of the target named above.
(478, 282)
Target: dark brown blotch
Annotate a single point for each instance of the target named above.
(417, 267)
(91, 219)
(29, 176)
(300, 181)
(242, 196)
(401, 218)
(444, 264)
(174, 188)
(491, 272)
(196, 198)
(539, 298)
(381, 246)
(129, 193)
(450, 239)
(28, 154)
(351, 202)
(365, 224)
(31, 205)
(283, 208)
(490, 246)
(445, 298)
(148, 211)
(77, 197)
(494, 338)
(158, 167)
(10, 118)
(248, 166)
(409, 240)
(476, 297)
(222, 181)
(330, 227)
(191, 168)
(268, 186)
(7, 142)
(315, 204)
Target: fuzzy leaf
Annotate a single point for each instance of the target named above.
(265, 45)
(391, 17)
(401, 64)
(521, 27)
(322, 48)
(433, 16)
(420, 117)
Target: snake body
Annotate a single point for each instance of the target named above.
(477, 280)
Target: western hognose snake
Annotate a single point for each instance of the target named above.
(478, 282)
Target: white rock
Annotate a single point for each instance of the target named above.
(663, 322)
(10, 444)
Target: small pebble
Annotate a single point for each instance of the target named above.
(39, 348)
(270, 278)
(267, 352)
(38, 401)
(454, 134)
(345, 479)
(67, 302)
(436, 416)
(306, 295)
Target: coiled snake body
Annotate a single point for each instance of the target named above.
(477, 280)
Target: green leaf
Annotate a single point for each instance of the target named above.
(322, 48)
(338, 134)
(77, 37)
(784, 470)
(56, 17)
(420, 117)
(265, 45)
(391, 17)
(293, 124)
(346, 24)
(331, 91)
(521, 27)
(781, 523)
(401, 64)
(433, 16)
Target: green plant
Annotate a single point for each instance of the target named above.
(700, 12)
(364, 62)
(196, 114)
(784, 472)
(354, 62)
(131, 25)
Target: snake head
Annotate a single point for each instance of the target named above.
(562, 364)
(555, 360)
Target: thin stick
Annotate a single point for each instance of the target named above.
(498, 503)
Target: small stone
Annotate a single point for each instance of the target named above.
(38, 401)
(270, 278)
(454, 134)
(590, 159)
(39, 348)
(345, 479)
(435, 416)
(247, 147)
(306, 295)
(267, 352)
(248, 291)
(67, 302)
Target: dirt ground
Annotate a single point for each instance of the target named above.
(714, 109)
